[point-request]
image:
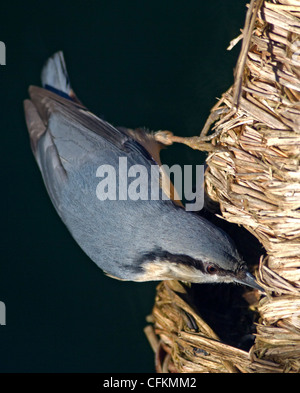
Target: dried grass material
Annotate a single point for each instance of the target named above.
(254, 174)
(188, 344)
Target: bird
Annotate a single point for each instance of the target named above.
(130, 240)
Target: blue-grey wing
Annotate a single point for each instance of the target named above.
(65, 137)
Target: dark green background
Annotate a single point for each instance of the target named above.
(154, 63)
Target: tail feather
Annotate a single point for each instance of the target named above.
(54, 74)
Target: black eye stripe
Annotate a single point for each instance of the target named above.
(161, 255)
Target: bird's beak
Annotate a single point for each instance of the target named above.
(249, 280)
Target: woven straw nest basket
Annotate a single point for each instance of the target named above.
(252, 137)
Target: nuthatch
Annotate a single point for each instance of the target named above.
(136, 240)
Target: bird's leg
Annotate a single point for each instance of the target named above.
(167, 138)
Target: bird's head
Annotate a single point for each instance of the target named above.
(196, 251)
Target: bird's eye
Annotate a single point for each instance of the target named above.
(211, 269)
